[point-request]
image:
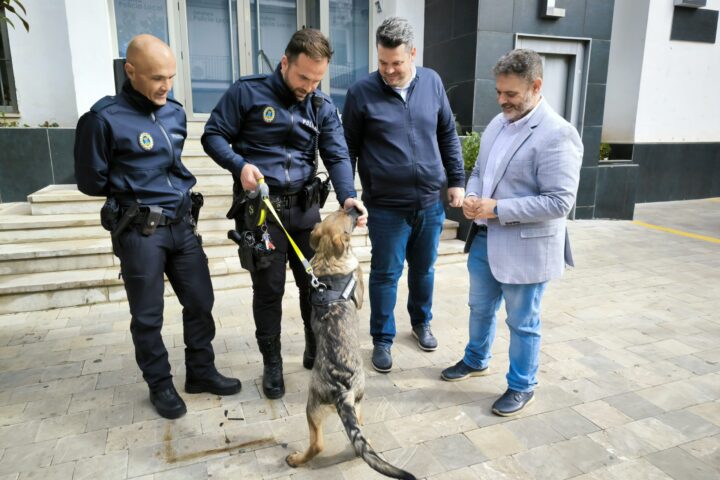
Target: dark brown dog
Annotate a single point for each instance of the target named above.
(338, 379)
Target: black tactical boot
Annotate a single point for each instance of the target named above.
(310, 349)
(272, 383)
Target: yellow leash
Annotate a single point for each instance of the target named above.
(265, 197)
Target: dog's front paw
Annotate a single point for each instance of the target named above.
(293, 459)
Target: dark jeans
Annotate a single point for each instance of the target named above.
(269, 283)
(397, 235)
(175, 251)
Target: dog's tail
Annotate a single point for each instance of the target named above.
(348, 416)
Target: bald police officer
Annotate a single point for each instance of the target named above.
(128, 148)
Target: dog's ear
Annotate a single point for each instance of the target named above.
(315, 236)
(340, 241)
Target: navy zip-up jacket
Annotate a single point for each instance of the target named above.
(267, 127)
(129, 148)
(404, 150)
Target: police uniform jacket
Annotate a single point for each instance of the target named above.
(129, 148)
(260, 121)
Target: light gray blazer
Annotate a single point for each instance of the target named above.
(535, 187)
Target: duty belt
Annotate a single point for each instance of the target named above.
(285, 201)
(162, 220)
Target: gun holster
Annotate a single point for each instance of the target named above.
(314, 192)
(196, 203)
(110, 214)
(253, 256)
(246, 211)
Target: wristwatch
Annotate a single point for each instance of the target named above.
(495, 210)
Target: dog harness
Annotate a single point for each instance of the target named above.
(333, 289)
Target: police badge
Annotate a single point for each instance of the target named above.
(269, 114)
(146, 141)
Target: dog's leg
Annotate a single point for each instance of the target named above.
(359, 412)
(315, 417)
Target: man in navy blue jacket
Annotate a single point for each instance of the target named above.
(400, 131)
(128, 148)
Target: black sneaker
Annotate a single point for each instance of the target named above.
(426, 340)
(168, 403)
(382, 358)
(461, 371)
(216, 384)
(512, 402)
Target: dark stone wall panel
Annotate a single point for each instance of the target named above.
(526, 19)
(598, 19)
(495, 15)
(24, 163)
(677, 171)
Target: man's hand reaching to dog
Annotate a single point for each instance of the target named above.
(355, 203)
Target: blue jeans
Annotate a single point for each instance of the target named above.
(522, 304)
(397, 235)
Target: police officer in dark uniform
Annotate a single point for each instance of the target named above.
(268, 127)
(127, 148)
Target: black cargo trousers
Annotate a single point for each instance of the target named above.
(173, 250)
(269, 283)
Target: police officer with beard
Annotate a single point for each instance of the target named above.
(267, 127)
(128, 148)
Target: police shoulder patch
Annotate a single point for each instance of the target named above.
(103, 103)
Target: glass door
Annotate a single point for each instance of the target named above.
(349, 30)
(211, 62)
(272, 24)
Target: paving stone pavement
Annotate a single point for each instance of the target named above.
(629, 381)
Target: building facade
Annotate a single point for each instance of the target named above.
(636, 74)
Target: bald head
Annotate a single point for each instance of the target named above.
(150, 66)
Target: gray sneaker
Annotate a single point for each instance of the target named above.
(425, 338)
(461, 371)
(512, 402)
(381, 358)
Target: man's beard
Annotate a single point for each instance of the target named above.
(519, 111)
(299, 93)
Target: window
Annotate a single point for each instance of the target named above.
(8, 101)
(272, 23)
(349, 29)
(133, 17)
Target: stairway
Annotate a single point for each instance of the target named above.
(54, 253)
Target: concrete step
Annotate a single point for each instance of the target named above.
(45, 290)
(195, 128)
(68, 200)
(22, 227)
(93, 252)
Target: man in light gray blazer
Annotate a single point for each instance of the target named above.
(521, 190)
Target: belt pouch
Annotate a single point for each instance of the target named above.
(152, 220)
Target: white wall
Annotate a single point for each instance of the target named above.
(627, 48)
(679, 99)
(41, 59)
(64, 64)
(673, 98)
(412, 10)
(91, 51)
